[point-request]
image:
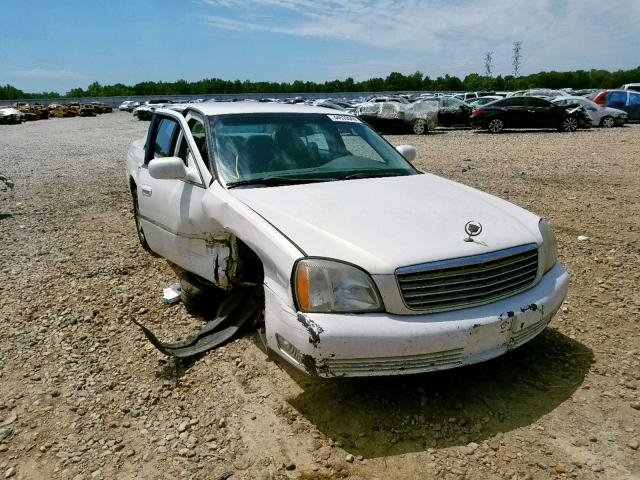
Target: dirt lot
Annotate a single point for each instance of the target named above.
(83, 395)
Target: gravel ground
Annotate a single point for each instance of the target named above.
(84, 396)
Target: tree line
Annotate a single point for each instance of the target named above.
(395, 81)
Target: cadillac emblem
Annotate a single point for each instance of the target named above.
(473, 229)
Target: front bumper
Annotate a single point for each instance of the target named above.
(378, 344)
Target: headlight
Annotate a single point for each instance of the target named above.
(329, 286)
(549, 246)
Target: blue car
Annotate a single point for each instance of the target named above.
(626, 100)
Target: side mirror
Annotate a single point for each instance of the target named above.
(408, 152)
(168, 168)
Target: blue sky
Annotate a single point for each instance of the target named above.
(58, 45)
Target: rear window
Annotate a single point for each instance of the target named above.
(634, 99)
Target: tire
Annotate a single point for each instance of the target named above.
(607, 122)
(136, 216)
(420, 127)
(569, 124)
(495, 125)
(199, 298)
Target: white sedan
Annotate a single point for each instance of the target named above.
(600, 116)
(368, 266)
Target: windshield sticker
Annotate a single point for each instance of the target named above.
(344, 118)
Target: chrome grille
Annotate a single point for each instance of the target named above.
(467, 281)
(384, 365)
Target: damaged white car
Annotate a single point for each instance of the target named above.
(367, 265)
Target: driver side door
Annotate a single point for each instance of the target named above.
(171, 212)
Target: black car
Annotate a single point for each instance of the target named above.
(527, 112)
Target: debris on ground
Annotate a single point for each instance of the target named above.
(171, 294)
(240, 306)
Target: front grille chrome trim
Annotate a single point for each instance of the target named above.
(468, 281)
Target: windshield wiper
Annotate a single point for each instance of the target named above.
(355, 176)
(275, 181)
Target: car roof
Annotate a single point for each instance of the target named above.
(571, 97)
(229, 108)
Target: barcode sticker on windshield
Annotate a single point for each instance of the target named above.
(344, 118)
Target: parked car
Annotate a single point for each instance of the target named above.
(543, 93)
(451, 111)
(128, 106)
(484, 100)
(527, 112)
(471, 96)
(389, 98)
(393, 117)
(329, 104)
(100, 107)
(626, 100)
(145, 111)
(600, 116)
(631, 86)
(366, 266)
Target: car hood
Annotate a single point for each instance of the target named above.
(381, 224)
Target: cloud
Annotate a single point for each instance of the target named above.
(457, 32)
(45, 74)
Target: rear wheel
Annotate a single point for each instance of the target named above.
(420, 127)
(607, 122)
(570, 124)
(495, 125)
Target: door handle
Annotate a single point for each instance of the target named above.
(146, 190)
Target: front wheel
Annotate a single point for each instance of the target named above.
(200, 298)
(570, 124)
(607, 122)
(420, 127)
(495, 125)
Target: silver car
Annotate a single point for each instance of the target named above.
(600, 116)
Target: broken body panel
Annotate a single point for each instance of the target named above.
(379, 224)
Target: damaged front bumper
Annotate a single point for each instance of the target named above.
(378, 344)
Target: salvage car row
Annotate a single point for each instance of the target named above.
(23, 112)
(493, 111)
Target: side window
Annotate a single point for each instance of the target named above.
(165, 137)
(537, 102)
(634, 99)
(512, 102)
(617, 98)
(199, 136)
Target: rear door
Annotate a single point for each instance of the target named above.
(542, 113)
(633, 106)
(513, 112)
(453, 112)
(617, 99)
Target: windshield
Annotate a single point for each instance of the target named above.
(250, 148)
